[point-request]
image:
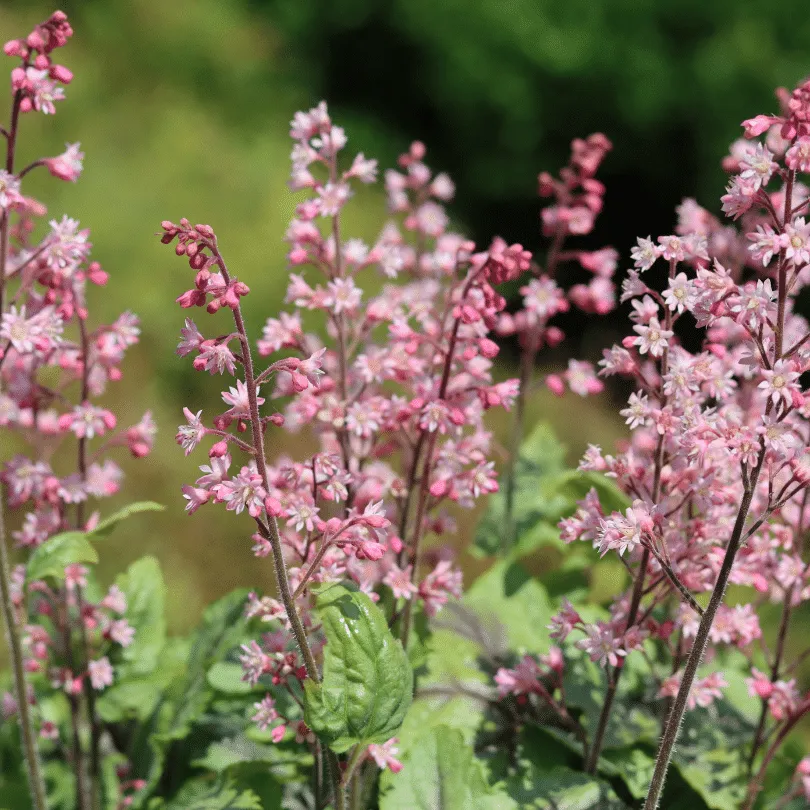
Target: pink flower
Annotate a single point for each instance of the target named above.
(342, 295)
(190, 435)
(798, 156)
(332, 198)
(542, 298)
(582, 379)
(438, 586)
(255, 663)
(758, 165)
(653, 338)
(399, 581)
(244, 490)
(215, 357)
(87, 421)
(780, 383)
(68, 165)
(522, 680)
(239, 401)
(703, 693)
(100, 672)
(563, 622)
(266, 713)
(40, 333)
(645, 254)
(385, 755)
(9, 190)
(602, 645)
(797, 241)
(121, 632)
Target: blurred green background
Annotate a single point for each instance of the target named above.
(182, 108)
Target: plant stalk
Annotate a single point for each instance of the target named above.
(29, 740)
(269, 529)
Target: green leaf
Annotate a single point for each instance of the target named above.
(541, 458)
(223, 628)
(711, 754)
(110, 783)
(233, 754)
(585, 686)
(199, 794)
(453, 690)
(574, 485)
(188, 695)
(508, 594)
(560, 789)
(441, 773)
(52, 557)
(129, 699)
(226, 676)
(367, 680)
(60, 784)
(106, 526)
(634, 766)
(145, 591)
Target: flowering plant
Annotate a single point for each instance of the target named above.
(368, 679)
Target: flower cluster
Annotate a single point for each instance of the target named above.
(576, 201)
(53, 367)
(394, 387)
(55, 615)
(716, 468)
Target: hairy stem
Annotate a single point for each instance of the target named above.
(29, 739)
(31, 753)
(638, 586)
(673, 723)
(269, 528)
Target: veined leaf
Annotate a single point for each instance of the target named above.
(145, 592)
(367, 681)
(441, 773)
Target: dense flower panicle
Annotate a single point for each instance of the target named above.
(577, 199)
(394, 385)
(712, 429)
(54, 363)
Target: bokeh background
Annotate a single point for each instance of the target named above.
(182, 108)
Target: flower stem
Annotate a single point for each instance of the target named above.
(269, 529)
(673, 724)
(29, 741)
(31, 754)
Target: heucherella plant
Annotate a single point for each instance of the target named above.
(636, 640)
(63, 635)
(395, 385)
(710, 491)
